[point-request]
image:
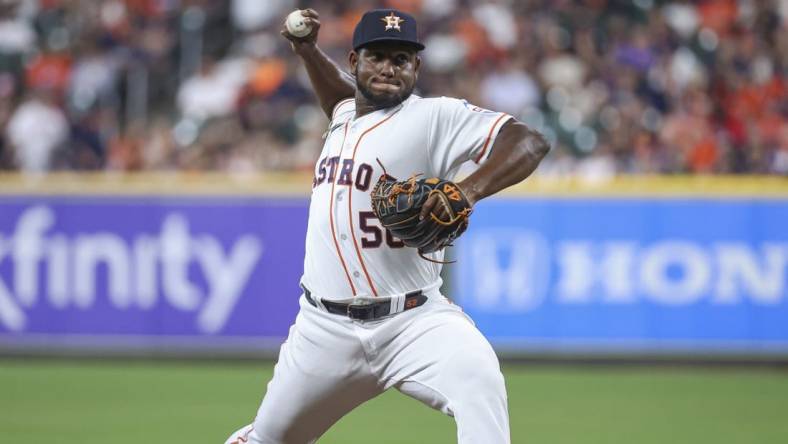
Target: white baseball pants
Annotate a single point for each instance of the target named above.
(330, 364)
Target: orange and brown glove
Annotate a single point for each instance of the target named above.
(398, 205)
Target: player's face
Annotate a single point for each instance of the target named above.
(385, 73)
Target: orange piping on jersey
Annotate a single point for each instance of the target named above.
(331, 218)
(350, 204)
(338, 105)
(489, 137)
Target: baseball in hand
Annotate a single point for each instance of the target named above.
(295, 24)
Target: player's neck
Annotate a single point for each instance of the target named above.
(364, 106)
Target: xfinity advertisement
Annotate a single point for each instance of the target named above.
(150, 267)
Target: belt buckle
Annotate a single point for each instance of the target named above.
(352, 314)
(360, 311)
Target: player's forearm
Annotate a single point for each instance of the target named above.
(516, 153)
(330, 83)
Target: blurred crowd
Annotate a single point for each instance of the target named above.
(628, 86)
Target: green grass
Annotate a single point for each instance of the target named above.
(117, 402)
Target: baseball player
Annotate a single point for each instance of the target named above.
(371, 314)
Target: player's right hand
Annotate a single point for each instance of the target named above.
(299, 44)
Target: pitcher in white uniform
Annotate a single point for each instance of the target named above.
(372, 316)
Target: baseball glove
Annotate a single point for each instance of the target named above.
(397, 204)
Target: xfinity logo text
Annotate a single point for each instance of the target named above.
(519, 270)
(49, 267)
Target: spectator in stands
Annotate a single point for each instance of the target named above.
(35, 130)
(618, 87)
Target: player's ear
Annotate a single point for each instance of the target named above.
(352, 59)
(417, 64)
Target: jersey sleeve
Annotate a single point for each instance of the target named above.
(461, 132)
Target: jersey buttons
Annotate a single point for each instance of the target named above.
(343, 236)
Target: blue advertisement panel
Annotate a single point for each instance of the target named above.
(555, 274)
(149, 267)
(627, 274)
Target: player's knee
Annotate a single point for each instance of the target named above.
(487, 383)
(479, 376)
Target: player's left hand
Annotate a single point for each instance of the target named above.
(432, 205)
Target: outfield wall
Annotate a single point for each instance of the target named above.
(205, 263)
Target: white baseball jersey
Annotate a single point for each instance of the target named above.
(331, 363)
(348, 253)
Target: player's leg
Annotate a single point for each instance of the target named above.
(320, 376)
(240, 436)
(443, 360)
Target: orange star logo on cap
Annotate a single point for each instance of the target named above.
(393, 22)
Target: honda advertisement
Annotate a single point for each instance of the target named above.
(628, 274)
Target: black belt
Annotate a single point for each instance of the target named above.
(368, 312)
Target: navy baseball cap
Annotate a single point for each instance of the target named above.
(386, 25)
